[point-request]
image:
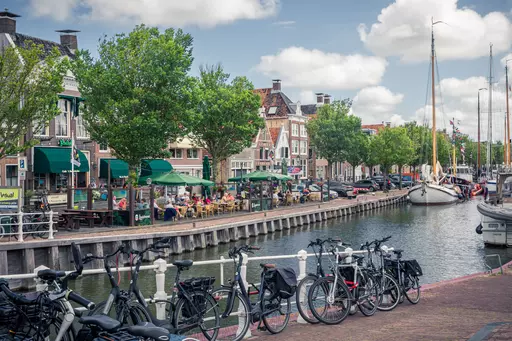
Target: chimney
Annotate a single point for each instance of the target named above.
(68, 39)
(319, 98)
(276, 85)
(327, 99)
(388, 124)
(8, 22)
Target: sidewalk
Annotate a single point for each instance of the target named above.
(224, 219)
(454, 310)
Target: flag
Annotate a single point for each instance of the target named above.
(451, 122)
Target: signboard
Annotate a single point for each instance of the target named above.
(293, 170)
(76, 157)
(142, 217)
(55, 199)
(65, 143)
(9, 198)
(22, 163)
(22, 175)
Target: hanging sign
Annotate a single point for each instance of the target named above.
(9, 198)
(65, 143)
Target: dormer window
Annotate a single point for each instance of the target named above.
(272, 110)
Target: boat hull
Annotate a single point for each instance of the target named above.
(431, 194)
(495, 225)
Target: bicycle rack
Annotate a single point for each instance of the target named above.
(489, 267)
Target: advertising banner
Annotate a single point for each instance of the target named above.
(9, 198)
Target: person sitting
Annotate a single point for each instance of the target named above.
(230, 197)
(207, 201)
(114, 203)
(156, 209)
(122, 204)
(170, 212)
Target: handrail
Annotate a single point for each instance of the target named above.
(20, 223)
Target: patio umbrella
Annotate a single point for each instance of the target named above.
(177, 179)
(206, 175)
(259, 176)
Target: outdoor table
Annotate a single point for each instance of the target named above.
(90, 215)
(69, 221)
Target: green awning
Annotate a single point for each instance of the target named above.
(118, 169)
(154, 167)
(57, 160)
(174, 178)
(71, 98)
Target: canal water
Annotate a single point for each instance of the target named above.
(441, 238)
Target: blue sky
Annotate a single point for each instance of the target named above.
(325, 46)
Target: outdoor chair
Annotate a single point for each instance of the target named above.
(230, 207)
(275, 202)
(183, 211)
(201, 211)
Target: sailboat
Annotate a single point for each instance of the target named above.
(432, 191)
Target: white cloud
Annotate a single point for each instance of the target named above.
(404, 29)
(315, 69)
(284, 23)
(307, 97)
(203, 13)
(376, 104)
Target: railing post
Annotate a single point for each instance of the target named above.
(160, 287)
(40, 285)
(50, 231)
(20, 226)
(222, 270)
(243, 274)
(302, 255)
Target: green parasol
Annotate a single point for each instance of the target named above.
(176, 179)
(260, 176)
(206, 175)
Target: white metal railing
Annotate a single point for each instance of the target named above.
(20, 224)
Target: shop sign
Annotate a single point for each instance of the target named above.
(55, 199)
(65, 143)
(9, 198)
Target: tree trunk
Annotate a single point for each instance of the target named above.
(329, 169)
(400, 175)
(132, 175)
(385, 171)
(353, 174)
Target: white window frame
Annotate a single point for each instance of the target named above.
(303, 131)
(272, 110)
(197, 154)
(303, 147)
(13, 177)
(63, 106)
(80, 128)
(175, 153)
(103, 150)
(295, 129)
(46, 131)
(295, 147)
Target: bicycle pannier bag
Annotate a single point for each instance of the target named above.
(203, 284)
(413, 268)
(286, 282)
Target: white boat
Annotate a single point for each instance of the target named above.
(462, 172)
(432, 191)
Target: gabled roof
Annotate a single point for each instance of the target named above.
(308, 109)
(274, 135)
(21, 40)
(279, 100)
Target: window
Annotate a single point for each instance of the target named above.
(295, 147)
(303, 147)
(11, 175)
(176, 153)
(272, 110)
(41, 129)
(40, 181)
(303, 131)
(61, 121)
(192, 154)
(103, 147)
(80, 127)
(295, 129)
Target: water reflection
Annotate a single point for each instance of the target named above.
(442, 239)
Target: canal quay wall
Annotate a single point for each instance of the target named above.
(23, 258)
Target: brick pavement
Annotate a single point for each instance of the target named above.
(191, 224)
(451, 311)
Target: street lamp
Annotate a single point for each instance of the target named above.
(478, 157)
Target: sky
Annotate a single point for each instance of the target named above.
(375, 52)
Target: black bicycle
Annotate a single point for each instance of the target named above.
(406, 273)
(272, 307)
(191, 310)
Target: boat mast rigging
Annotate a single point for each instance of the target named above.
(489, 127)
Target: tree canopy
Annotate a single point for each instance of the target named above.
(226, 117)
(138, 92)
(30, 82)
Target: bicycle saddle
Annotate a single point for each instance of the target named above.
(149, 331)
(398, 251)
(49, 274)
(105, 322)
(186, 263)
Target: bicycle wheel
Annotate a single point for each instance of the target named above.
(327, 308)
(198, 318)
(412, 289)
(390, 293)
(301, 297)
(42, 231)
(2, 231)
(129, 313)
(235, 326)
(275, 312)
(368, 296)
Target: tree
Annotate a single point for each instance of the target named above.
(138, 92)
(356, 149)
(330, 131)
(404, 152)
(227, 115)
(34, 83)
(370, 158)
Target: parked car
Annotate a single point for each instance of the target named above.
(297, 190)
(342, 188)
(366, 185)
(406, 181)
(379, 179)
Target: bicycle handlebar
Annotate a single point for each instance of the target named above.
(234, 251)
(72, 296)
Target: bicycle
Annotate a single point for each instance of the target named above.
(407, 275)
(389, 289)
(186, 311)
(272, 307)
(305, 284)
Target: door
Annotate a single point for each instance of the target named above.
(509, 234)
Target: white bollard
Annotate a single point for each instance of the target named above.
(302, 255)
(50, 231)
(20, 226)
(160, 287)
(243, 274)
(40, 285)
(222, 270)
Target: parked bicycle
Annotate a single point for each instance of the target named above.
(191, 310)
(34, 225)
(272, 306)
(406, 273)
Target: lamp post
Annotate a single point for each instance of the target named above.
(478, 156)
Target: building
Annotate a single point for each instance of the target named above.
(186, 157)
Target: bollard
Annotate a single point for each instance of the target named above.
(243, 274)
(50, 231)
(222, 270)
(40, 285)
(302, 255)
(20, 226)
(160, 287)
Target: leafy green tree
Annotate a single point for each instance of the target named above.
(331, 130)
(356, 149)
(370, 158)
(404, 152)
(26, 79)
(498, 154)
(138, 92)
(227, 117)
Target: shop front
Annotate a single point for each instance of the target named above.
(154, 167)
(118, 171)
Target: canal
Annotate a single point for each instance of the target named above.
(441, 238)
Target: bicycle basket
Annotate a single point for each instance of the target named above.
(285, 282)
(13, 317)
(413, 268)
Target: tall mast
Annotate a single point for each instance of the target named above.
(478, 157)
(454, 161)
(489, 127)
(507, 142)
(434, 136)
